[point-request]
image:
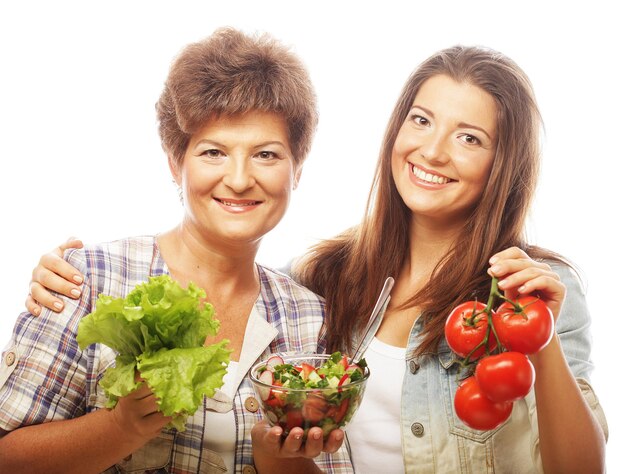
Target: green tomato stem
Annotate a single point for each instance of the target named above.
(493, 295)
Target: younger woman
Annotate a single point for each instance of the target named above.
(452, 190)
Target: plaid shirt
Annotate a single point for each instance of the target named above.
(44, 376)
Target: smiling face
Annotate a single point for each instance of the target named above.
(442, 155)
(236, 176)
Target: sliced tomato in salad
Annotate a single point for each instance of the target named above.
(294, 419)
(338, 412)
(274, 401)
(314, 408)
(307, 370)
(305, 396)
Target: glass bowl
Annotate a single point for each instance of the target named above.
(288, 403)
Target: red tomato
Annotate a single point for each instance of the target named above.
(476, 410)
(527, 331)
(306, 370)
(338, 412)
(294, 420)
(505, 377)
(462, 334)
(314, 408)
(274, 401)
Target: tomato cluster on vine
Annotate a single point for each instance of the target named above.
(495, 344)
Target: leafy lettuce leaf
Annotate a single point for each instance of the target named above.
(181, 377)
(159, 328)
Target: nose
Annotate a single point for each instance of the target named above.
(238, 175)
(434, 148)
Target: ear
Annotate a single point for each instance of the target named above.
(174, 169)
(296, 178)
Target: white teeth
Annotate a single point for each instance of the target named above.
(430, 178)
(238, 204)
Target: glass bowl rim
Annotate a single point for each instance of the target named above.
(254, 379)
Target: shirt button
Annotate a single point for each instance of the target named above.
(9, 359)
(248, 469)
(413, 366)
(417, 429)
(251, 404)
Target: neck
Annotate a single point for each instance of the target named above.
(212, 265)
(429, 243)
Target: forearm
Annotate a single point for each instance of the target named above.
(90, 443)
(563, 414)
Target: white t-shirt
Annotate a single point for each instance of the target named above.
(220, 432)
(374, 432)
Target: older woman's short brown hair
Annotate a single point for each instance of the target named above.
(230, 73)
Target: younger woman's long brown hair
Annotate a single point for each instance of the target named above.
(350, 269)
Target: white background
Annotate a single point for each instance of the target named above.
(81, 156)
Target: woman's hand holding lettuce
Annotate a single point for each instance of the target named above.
(159, 329)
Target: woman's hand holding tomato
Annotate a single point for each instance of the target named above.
(498, 342)
(520, 275)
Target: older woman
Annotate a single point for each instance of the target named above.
(236, 119)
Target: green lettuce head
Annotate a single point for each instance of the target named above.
(159, 329)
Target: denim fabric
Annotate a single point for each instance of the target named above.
(435, 440)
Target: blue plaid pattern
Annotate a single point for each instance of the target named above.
(53, 379)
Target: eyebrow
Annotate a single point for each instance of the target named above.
(271, 142)
(206, 141)
(461, 124)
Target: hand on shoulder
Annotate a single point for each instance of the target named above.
(53, 273)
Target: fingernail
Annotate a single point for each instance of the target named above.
(78, 279)
(75, 292)
(317, 435)
(58, 305)
(496, 269)
(36, 311)
(298, 436)
(503, 283)
(338, 436)
(522, 288)
(493, 260)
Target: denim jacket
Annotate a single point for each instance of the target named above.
(435, 440)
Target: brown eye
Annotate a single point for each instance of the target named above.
(471, 139)
(267, 155)
(212, 153)
(420, 120)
